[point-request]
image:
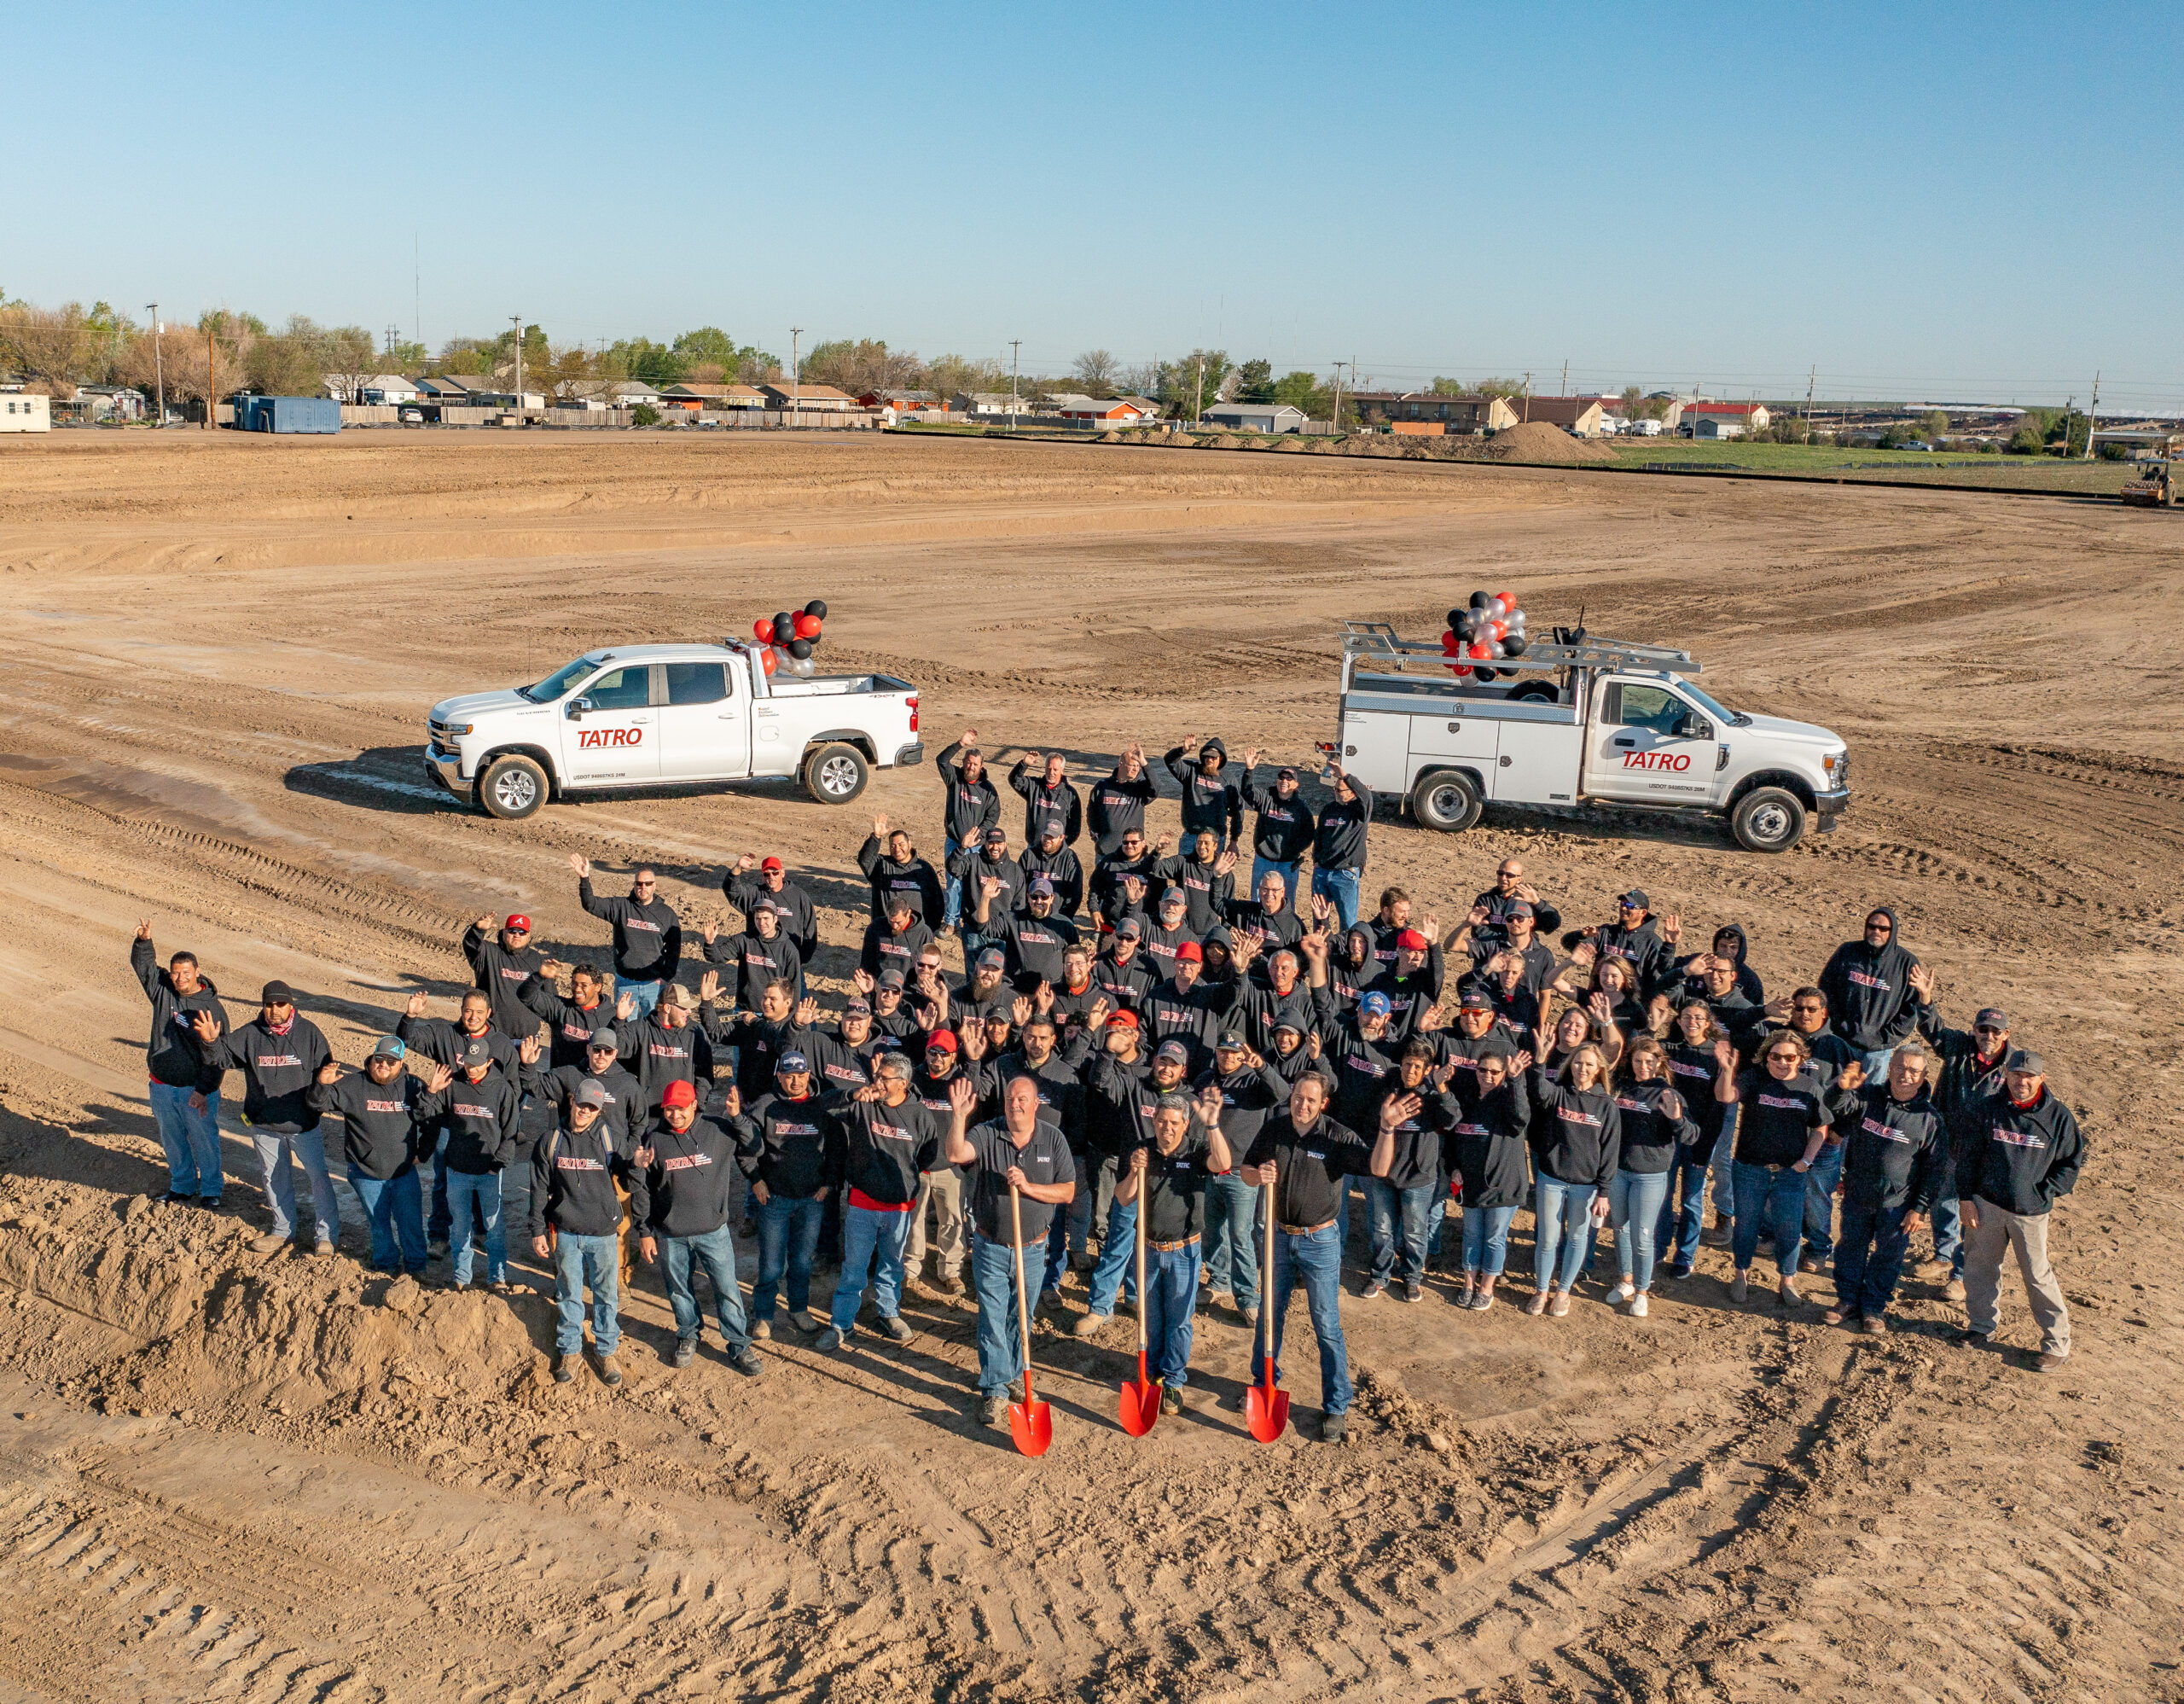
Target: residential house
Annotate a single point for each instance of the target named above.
(1452, 414)
(903, 402)
(1579, 416)
(450, 389)
(1722, 420)
(1258, 416)
(988, 402)
(1106, 411)
(106, 403)
(712, 396)
(383, 388)
(806, 398)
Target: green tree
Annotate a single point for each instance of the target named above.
(1304, 391)
(1194, 382)
(858, 366)
(640, 358)
(1450, 387)
(1255, 381)
(1498, 387)
(1935, 424)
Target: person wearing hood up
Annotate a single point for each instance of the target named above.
(1729, 943)
(1871, 999)
(1212, 804)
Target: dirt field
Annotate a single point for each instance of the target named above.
(236, 1476)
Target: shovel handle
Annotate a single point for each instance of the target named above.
(1023, 1308)
(1266, 1294)
(1144, 1177)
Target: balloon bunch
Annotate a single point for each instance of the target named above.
(788, 639)
(1492, 628)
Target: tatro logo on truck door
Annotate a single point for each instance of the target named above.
(589, 737)
(1677, 760)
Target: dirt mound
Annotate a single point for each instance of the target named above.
(1537, 441)
(1110, 438)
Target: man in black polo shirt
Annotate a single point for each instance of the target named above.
(1188, 1152)
(1026, 1152)
(1303, 1156)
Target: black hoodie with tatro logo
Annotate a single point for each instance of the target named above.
(686, 1190)
(572, 1182)
(1211, 803)
(786, 1148)
(501, 975)
(573, 1024)
(648, 936)
(1060, 803)
(276, 1069)
(1283, 833)
(972, 806)
(1895, 1153)
(379, 1120)
(1871, 1004)
(480, 1118)
(2021, 1158)
(913, 876)
(1118, 806)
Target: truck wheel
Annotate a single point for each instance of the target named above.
(1445, 800)
(512, 788)
(835, 774)
(1768, 819)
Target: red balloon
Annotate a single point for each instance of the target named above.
(1480, 651)
(1450, 645)
(807, 625)
(770, 659)
(1460, 670)
(762, 630)
(1507, 600)
(1496, 629)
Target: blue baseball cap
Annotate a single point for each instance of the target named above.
(1375, 1004)
(792, 1062)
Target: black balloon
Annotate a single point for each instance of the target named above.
(1485, 675)
(1514, 646)
(1484, 600)
(1466, 625)
(784, 629)
(1457, 617)
(799, 648)
(816, 607)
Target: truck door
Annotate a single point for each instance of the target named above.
(705, 728)
(1648, 746)
(609, 730)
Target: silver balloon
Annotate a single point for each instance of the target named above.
(802, 667)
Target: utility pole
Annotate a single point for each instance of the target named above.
(795, 366)
(1811, 378)
(1335, 424)
(211, 374)
(1016, 353)
(1566, 378)
(2091, 415)
(418, 287)
(1528, 395)
(1197, 392)
(159, 366)
(516, 320)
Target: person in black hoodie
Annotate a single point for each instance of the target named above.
(503, 959)
(881, 1140)
(2024, 1157)
(799, 917)
(680, 1198)
(575, 1220)
(1657, 1127)
(891, 866)
(1729, 943)
(1895, 1151)
(1691, 1071)
(479, 1107)
(378, 1108)
(1781, 1128)
(1871, 1000)
(762, 953)
(1064, 873)
(983, 860)
(1970, 1070)
(575, 1020)
(1400, 1202)
(1339, 846)
(1489, 1165)
(785, 1158)
(1283, 830)
(648, 935)
(1212, 804)
(971, 805)
(185, 1091)
(1203, 874)
(1632, 935)
(1118, 802)
(279, 1052)
(1576, 1141)
(1048, 797)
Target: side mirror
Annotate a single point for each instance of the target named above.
(578, 708)
(1690, 727)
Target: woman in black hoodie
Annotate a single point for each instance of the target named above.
(1577, 1138)
(1487, 1154)
(1656, 1125)
(1691, 1067)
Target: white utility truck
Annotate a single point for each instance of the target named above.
(635, 716)
(1574, 725)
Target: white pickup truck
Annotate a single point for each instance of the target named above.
(635, 716)
(1577, 723)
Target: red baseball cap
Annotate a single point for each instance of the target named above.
(679, 1094)
(1190, 950)
(1123, 1021)
(518, 921)
(1410, 940)
(942, 1039)
(771, 864)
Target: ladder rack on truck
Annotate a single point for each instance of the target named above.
(1365, 642)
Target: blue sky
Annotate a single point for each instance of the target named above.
(1925, 201)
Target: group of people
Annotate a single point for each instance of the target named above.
(1133, 1038)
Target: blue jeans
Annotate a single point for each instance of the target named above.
(1069, 1228)
(1634, 1208)
(394, 1207)
(1676, 1236)
(1315, 1261)
(1000, 1341)
(1877, 1060)
(646, 994)
(1117, 1267)
(1723, 1169)
(1949, 1233)
(716, 1252)
(1414, 1207)
(788, 1237)
(1170, 1300)
(873, 1245)
(307, 1148)
(192, 1140)
(578, 1261)
(1820, 1200)
(484, 1188)
(1869, 1258)
(1287, 871)
(952, 909)
(1339, 888)
(1486, 1239)
(1434, 1216)
(1233, 1213)
(1777, 1195)
(1562, 1219)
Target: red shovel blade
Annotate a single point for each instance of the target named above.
(1141, 1402)
(1266, 1411)
(1031, 1424)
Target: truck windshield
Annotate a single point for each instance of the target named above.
(557, 684)
(1733, 718)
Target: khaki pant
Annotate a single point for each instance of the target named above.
(941, 1194)
(1984, 1245)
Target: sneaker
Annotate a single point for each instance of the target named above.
(610, 1372)
(1250, 1316)
(1638, 1304)
(949, 1284)
(2048, 1361)
(1333, 1427)
(1812, 1263)
(1624, 1290)
(1412, 1290)
(210, 1203)
(176, 1198)
(1481, 1300)
(1372, 1291)
(897, 1328)
(502, 1286)
(270, 1243)
(686, 1351)
(1090, 1325)
(993, 1408)
(1874, 1325)
(1465, 1291)
(1953, 1290)
(1788, 1295)
(763, 1330)
(1560, 1307)
(805, 1321)
(1679, 1268)
(1538, 1304)
(565, 1368)
(1016, 1390)
(746, 1361)
(830, 1338)
(1171, 1399)
(1737, 1287)
(323, 1247)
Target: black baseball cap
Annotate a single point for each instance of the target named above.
(1231, 1042)
(2024, 1058)
(1991, 1018)
(1636, 899)
(1474, 1001)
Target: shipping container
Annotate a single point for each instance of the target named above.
(288, 414)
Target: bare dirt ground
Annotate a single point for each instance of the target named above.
(236, 1476)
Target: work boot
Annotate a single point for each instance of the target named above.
(763, 1330)
(746, 1361)
(1718, 1237)
(267, 1244)
(1016, 1390)
(1090, 1325)
(686, 1351)
(1738, 1286)
(2048, 1361)
(805, 1321)
(830, 1338)
(1953, 1290)
(1333, 1427)
(897, 1328)
(438, 1248)
(1928, 1271)
(1874, 1325)
(1171, 1399)
(1969, 1339)
(323, 1247)
(949, 1283)
(992, 1409)
(563, 1368)
(610, 1373)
